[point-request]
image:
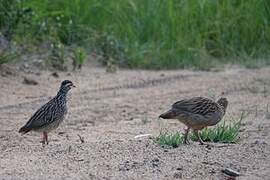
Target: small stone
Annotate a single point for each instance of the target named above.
(257, 142)
(208, 146)
(162, 75)
(55, 74)
(29, 81)
(178, 175)
(230, 172)
(155, 162)
(212, 171)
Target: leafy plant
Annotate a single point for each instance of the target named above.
(111, 50)
(79, 56)
(111, 66)
(57, 56)
(167, 139)
(224, 133)
(6, 56)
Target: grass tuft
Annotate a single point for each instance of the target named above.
(7, 56)
(222, 133)
(78, 58)
(57, 56)
(167, 139)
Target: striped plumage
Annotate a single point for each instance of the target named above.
(197, 113)
(51, 114)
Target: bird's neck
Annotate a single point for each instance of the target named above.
(61, 95)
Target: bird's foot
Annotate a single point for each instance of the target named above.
(44, 142)
(202, 143)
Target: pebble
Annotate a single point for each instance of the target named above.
(29, 81)
(230, 172)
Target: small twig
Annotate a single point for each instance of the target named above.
(81, 138)
(267, 113)
(264, 90)
(142, 135)
(256, 110)
(69, 149)
(222, 146)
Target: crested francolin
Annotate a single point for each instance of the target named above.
(51, 114)
(197, 113)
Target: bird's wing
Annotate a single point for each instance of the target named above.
(43, 116)
(196, 105)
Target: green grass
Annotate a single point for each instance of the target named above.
(7, 56)
(148, 33)
(57, 56)
(223, 133)
(167, 139)
(145, 120)
(79, 57)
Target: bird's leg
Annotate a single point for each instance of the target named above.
(43, 139)
(46, 137)
(186, 136)
(198, 136)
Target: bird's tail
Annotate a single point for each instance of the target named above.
(24, 130)
(168, 115)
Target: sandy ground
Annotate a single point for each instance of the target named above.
(108, 110)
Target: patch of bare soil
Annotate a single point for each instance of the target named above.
(106, 112)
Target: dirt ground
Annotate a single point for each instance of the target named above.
(109, 110)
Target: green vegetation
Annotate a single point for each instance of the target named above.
(147, 33)
(79, 56)
(7, 56)
(57, 56)
(167, 139)
(223, 133)
(145, 120)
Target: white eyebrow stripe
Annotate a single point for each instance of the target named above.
(68, 84)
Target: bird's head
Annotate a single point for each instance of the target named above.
(223, 102)
(66, 85)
